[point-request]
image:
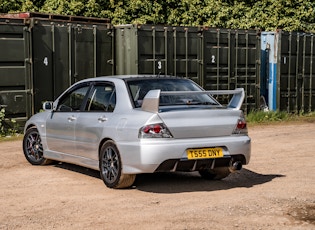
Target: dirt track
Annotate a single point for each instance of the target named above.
(275, 191)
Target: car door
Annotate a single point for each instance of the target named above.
(96, 117)
(61, 125)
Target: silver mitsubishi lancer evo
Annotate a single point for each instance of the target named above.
(127, 125)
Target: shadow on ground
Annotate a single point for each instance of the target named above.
(177, 182)
(79, 169)
(192, 182)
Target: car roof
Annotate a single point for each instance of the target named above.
(127, 77)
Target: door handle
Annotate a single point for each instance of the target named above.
(72, 118)
(102, 119)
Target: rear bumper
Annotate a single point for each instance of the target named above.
(195, 165)
(150, 155)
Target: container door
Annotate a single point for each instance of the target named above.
(230, 61)
(154, 44)
(15, 65)
(52, 68)
(83, 53)
(43, 60)
(297, 72)
(144, 49)
(187, 54)
(245, 73)
(92, 52)
(61, 35)
(126, 54)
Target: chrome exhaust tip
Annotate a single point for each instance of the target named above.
(235, 166)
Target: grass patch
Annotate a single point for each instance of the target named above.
(261, 117)
(14, 137)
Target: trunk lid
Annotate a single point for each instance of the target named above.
(196, 123)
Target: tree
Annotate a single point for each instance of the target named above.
(10, 5)
(290, 15)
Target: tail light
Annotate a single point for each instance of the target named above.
(155, 131)
(241, 126)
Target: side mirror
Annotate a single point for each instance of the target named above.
(48, 105)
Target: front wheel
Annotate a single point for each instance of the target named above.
(111, 168)
(33, 148)
(215, 174)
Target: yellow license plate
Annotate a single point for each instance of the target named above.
(204, 153)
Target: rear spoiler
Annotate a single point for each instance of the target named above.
(152, 98)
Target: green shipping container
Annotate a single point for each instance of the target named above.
(214, 58)
(288, 70)
(42, 55)
(231, 60)
(150, 49)
(15, 69)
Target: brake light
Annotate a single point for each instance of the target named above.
(154, 131)
(241, 126)
(157, 128)
(152, 128)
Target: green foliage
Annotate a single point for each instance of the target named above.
(261, 117)
(269, 116)
(10, 5)
(67, 7)
(289, 15)
(2, 114)
(5, 129)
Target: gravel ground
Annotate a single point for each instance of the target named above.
(275, 191)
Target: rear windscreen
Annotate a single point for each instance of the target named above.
(140, 87)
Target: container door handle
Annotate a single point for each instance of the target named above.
(18, 97)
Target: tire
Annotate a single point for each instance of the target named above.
(214, 174)
(111, 167)
(33, 148)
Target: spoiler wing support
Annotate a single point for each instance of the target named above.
(237, 99)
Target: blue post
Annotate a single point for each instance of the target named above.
(269, 48)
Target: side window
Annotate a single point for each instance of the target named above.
(73, 100)
(102, 98)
